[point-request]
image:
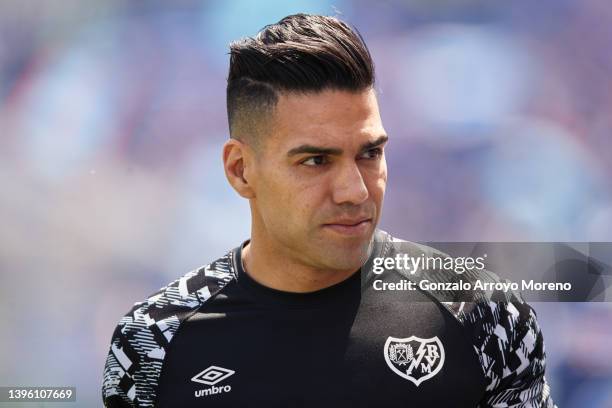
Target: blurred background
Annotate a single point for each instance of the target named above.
(112, 117)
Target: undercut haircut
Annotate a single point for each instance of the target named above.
(302, 53)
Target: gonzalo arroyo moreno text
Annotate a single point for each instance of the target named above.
(458, 265)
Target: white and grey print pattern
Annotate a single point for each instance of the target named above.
(139, 343)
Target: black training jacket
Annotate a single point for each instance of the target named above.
(217, 338)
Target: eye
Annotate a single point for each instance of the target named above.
(315, 161)
(372, 153)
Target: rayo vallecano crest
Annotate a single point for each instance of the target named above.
(414, 358)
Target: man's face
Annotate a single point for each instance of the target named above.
(319, 178)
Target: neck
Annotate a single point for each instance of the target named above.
(277, 269)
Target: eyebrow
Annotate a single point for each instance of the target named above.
(334, 151)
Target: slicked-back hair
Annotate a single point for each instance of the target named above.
(301, 53)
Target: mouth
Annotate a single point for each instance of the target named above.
(354, 227)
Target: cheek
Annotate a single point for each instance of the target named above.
(377, 182)
(383, 178)
(304, 200)
(288, 200)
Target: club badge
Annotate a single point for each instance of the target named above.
(414, 358)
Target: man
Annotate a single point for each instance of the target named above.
(290, 317)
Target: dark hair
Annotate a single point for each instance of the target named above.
(301, 53)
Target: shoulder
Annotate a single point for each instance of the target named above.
(503, 329)
(139, 341)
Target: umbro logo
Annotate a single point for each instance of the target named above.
(211, 376)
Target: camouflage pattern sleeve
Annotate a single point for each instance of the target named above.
(141, 339)
(510, 347)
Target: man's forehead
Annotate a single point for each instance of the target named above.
(328, 117)
(327, 103)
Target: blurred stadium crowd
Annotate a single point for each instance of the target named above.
(112, 117)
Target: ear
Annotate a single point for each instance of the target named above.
(236, 157)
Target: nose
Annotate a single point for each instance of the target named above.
(349, 185)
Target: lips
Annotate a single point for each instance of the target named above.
(349, 222)
(350, 226)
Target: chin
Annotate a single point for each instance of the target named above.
(346, 255)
